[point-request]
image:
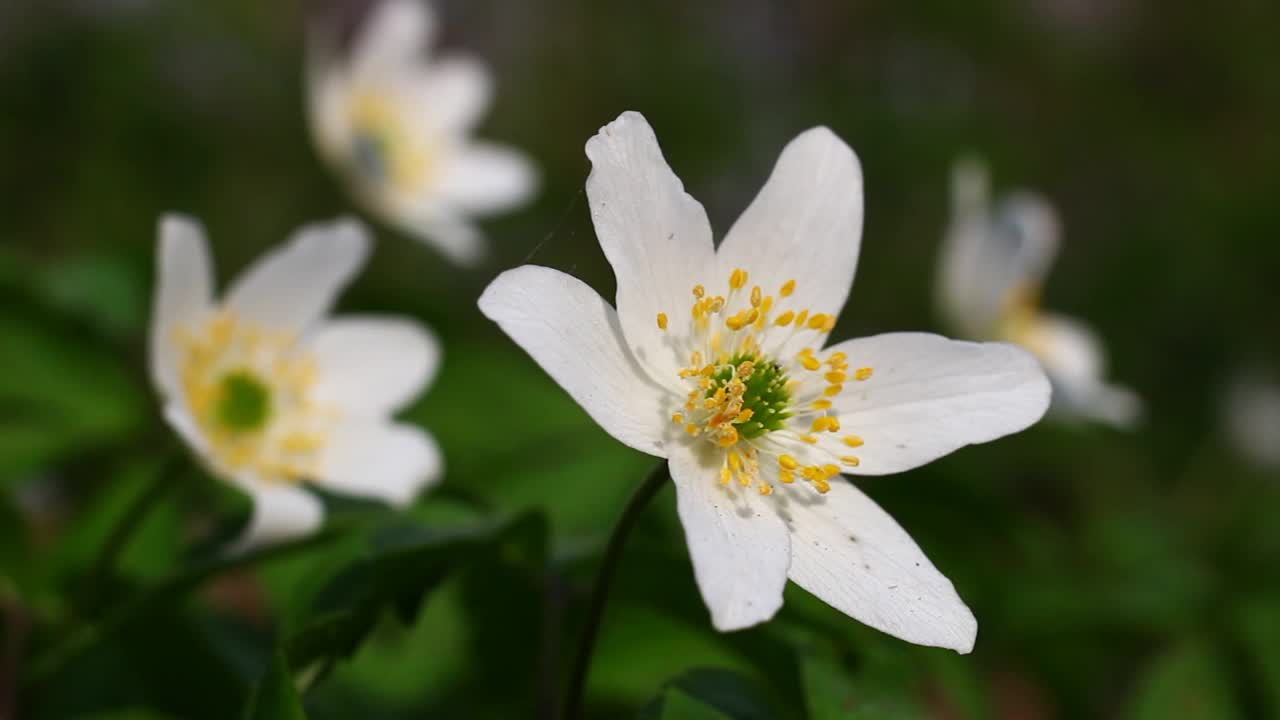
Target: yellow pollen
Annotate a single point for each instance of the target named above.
(735, 461)
(822, 486)
(757, 297)
(804, 315)
(835, 377)
(787, 288)
(786, 476)
(745, 415)
(826, 423)
(862, 374)
(810, 362)
(785, 319)
(766, 489)
(699, 291)
(850, 460)
(737, 279)
(811, 439)
(822, 404)
(833, 391)
(728, 437)
(853, 441)
(788, 462)
(830, 470)
(725, 476)
(692, 429)
(837, 358)
(678, 418)
(662, 321)
(817, 321)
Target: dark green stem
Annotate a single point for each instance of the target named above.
(600, 592)
(169, 474)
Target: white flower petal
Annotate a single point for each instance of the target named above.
(486, 178)
(856, 558)
(183, 296)
(656, 237)
(1072, 355)
(1251, 409)
(328, 112)
(739, 545)
(372, 365)
(575, 336)
(383, 460)
(297, 283)
(929, 396)
(805, 225)
(453, 93)
(396, 34)
(281, 511)
(988, 254)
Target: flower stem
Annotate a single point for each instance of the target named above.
(600, 592)
(166, 477)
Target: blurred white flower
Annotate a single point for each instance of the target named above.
(270, 392)
(714, 360)
(397, 127)
(993, 262)
(1252, 409)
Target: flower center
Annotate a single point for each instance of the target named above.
(771, 415)
(250, 392)
(243, 402)
(384, 149)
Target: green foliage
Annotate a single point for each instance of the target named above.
(276, 696)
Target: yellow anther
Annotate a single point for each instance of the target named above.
(745, 415)
(811, 472)
(835, 377)
(678, 418)
(728, 437)
(811, 439)
(853, 441)
(850, 460)
(822, 404)
(810, 362)
(833, 390)
(822, 486)
(737, 279)
(756, 296)
(735, 461)
(753, 316)
(743, 480)
(699, 291)
(817, 321)
(766, 489)
(826, 423)
(746, 368)
(786, 476)
(692, 429)
(785, 319)
(766, 305)
(862, 373)
(725, 476)
(788, 462)
(804, 315)
(830, 324)
(837, 358)
(787, 288)
(662, 321)
(830, 470)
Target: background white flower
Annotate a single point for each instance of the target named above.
(714, 360)
(272, 393)
(993, 263)
(397, 127)
(1251, 406)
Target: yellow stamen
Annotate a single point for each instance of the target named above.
(804, 315)
(817, 321)
(833, 391)
(785, 319)
(788, 462)
(835, 377)
(737, 279)
(850, 460)
(787, 288)
(699, 291)
(822, 404)
(662, 321)
(853, 441)
(786, 476)
(756, 296)
(810, 362)
(862, 374)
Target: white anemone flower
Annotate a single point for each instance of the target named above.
(715, 360)
(397, 128)
(271, 393)
(993, 263)
(1252, 414)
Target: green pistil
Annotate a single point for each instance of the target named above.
(766, 395)
(244, 402)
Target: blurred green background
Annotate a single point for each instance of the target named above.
(1126, 575)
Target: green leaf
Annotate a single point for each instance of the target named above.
(275, 697)
(1189, 682)
(1258, 631)
(711, 693)
(403, 564)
